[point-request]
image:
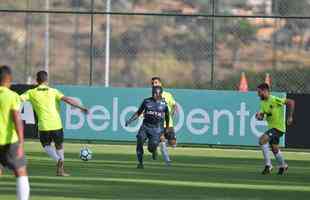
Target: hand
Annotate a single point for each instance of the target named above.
(166, 131)
(289, 120)
(20, 151)
(259, 116)
(127, 123)
(85, 110)
(162, 138)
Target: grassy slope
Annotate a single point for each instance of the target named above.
(197, 173)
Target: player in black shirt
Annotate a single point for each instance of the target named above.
(155, 111)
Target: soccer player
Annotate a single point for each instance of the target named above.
(12, 134)
(1, 170)
(46, 103)
(169, 133)
(271, 109)
(155, 112)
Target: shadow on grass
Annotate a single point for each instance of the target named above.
(236, 170)
(107, 189)
(107, 174)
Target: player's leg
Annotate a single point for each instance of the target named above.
(163, 147)
(283, 167)
(1, 169)
(1, 161)
(18, 166)
(46, 140)
(22, 183)
(154, 140)
(58, 138)
(274, 141)
(264, 142)
(141, 137)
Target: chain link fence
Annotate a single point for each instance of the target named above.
(202, 44)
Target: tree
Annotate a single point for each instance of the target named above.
(289, 7)
(235, 34)
(297, 27)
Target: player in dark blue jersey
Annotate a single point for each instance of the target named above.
(155, 112)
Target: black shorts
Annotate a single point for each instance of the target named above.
(149, 132)
(274, 136)
(169, 134)
(47, 137)
(8, 157)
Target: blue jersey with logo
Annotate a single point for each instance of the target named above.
(154, 111)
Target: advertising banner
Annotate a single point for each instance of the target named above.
(203, 117)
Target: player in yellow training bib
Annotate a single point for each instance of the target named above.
(272, 110)
(46, 104)
(12, 134)
(168, 133)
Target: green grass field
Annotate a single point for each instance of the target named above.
(196, 173)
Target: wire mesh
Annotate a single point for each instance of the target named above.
(190, 44)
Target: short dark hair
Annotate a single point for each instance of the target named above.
(156, 78)
(42, 76)
(4, 71)
(263, 86)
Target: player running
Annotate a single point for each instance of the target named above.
(271, 109)
(169, 133)
(46, 103)
(155, 112)
(12, 134)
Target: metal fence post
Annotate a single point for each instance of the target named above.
(213, 43)
(26, 44)
(76, 37)
(107, 47)
(91, 56)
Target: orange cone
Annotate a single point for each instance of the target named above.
(243, 86)
(268, 79)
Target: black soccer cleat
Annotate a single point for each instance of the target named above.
(168, 163)
(282, 170)
(267, 170)
(154, 155)
(140, 166)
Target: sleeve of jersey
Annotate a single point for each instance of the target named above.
(167, 110)
(167, 114)
(279, 101)
(172, 100)
(16, 103)
(141, 108)
(59, 94)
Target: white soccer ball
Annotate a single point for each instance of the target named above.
(85, 154)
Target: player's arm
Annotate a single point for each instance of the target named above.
(174, 108)
(19, 128)
(136, 115)
(290, 103)
(61, 97)
(20, 132)
(260, 114)
(74, 103)
(167, 118)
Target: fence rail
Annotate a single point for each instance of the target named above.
(190, 44)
